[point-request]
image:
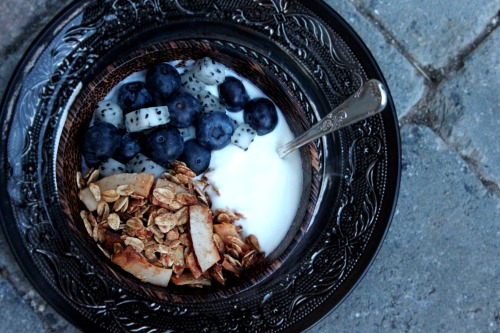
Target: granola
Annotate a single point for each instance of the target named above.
(164, 230)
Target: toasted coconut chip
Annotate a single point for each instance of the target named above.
(110, 196)
(200, 224)
(140, 267)
(125, 190)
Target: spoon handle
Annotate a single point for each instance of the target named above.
(368, 100)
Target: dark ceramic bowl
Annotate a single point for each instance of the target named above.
(123, 64)
(302, 55)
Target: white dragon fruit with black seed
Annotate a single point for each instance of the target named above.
(143, 164)
(243, 136)
(190, 84)
(111, 167)
(208, 71)
(146, 118)
(210, 103)
(188, 133)
(109, 112)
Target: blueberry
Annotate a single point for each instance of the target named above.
(183, 109)
(130, 145)
(214, 130)
(133, 96)
(163, 145)
(261, 115)
(162, 80)
(232, 94)
(196, 157)
(100, 142)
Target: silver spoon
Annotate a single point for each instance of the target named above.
(369, 100)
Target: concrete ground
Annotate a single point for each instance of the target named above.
(439, 268)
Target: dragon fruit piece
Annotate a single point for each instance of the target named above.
(243, 136)
(190, 84)
(109, 112)
(208, 71)
(146, 118)
(210, 103)
(143, 164)
(188, 133)
(111, 167)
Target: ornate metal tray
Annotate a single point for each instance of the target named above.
(318, 61)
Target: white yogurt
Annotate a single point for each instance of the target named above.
(264, 188)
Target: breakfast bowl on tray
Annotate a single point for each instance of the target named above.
(145, 191)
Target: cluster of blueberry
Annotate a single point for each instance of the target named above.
(170, 117)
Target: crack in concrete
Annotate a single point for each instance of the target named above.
(434, 77)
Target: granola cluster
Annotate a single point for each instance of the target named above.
(164, 230)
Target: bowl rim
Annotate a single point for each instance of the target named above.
(110, 76)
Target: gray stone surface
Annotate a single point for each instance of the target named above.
(22, 21)
(15, 313)
(433, 31)
(468, 109)
(437, 270)
(405, 82)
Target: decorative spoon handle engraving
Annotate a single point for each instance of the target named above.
(367, 101)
